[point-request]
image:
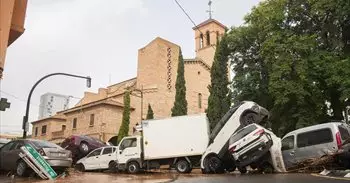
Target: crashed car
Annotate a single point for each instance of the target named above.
(99, 159)
(81, 145)
(251, 146)
(315, 142)
(58, 158)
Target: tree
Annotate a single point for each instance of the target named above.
(149, 112)
(292, 57)
(124, 127)
(180, 103)
(219, 99)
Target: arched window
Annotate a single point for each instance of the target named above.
(208, 38)
(199, 100)
(201, 41)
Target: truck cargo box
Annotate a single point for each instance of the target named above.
(175, 137)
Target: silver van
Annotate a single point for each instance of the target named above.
(313, 142)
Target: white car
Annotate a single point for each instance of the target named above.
(99, 159)
(249, 145)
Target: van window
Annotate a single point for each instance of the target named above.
(344, 133)
(242, 133)
(128, 143)
(288, 143)
(314, 137)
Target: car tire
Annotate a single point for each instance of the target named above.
(215, 164)
(80, 167)
(84, 148)
(182, 166)
(112, 166)
(249, 118)
(267, 168)
(22, 168)
(243, 170)
(133, 167)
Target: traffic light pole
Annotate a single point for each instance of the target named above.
(25, 124)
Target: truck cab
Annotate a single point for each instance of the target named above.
(129, 154)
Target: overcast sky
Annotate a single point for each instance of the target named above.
(98, 39)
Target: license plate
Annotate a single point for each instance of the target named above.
(58, 154)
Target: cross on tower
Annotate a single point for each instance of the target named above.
(209, 11)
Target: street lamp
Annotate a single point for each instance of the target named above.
(25, 125)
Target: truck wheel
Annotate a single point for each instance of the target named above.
(249, 118)
(215, 164)
(243, 170)
(22, 168)
(182, 166)
(133, 167)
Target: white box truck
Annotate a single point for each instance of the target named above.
(178, 142)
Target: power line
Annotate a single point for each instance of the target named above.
(188, 16)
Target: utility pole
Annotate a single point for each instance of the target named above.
(141, 102)
(25, 125)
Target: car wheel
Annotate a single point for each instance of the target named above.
(112, 166)
(249, 118)
(133, 167)
(84, 148)
(21, 169)
(254, 166)
(267, 168)
(243, 170)
(80, 167)
(182, 166)
(215, 164)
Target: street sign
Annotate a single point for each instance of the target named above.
(39, 161)
(4, 104)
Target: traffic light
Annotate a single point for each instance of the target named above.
(4, 104)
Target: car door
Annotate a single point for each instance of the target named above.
(106, 157)
(4, 153)
(92, 160)
(288, 151)
(128, 149)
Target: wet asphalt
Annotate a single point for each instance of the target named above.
(98, 177)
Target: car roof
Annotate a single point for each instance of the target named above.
(313, 127)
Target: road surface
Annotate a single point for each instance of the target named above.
(95, 177)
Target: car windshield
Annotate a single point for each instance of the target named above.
(242, 133)
(44, 144)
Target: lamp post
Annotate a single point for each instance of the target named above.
(25, 125)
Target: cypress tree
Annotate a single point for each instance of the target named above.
(124, 127)
(149, 112)
(219, 98)
(180, 103)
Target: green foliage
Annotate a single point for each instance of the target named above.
(124, 127)
(292, 57)
(180, 103)
(149, 112)
(219, 99)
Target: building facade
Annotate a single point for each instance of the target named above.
(51, 103)
(12, 15)
(100, 114)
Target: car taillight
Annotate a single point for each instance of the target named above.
(42, 153)
(72, 139)
(232, 149)
(260, 132)
(338, 138)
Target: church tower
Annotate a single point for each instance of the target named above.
(207, 34)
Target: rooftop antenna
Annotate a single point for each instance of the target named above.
(209, 11)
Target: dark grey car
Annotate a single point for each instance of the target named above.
(55, 155)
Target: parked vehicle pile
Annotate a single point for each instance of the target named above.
(239, 141)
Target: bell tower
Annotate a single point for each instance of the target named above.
(207, 35)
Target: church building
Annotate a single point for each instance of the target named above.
(100, 114)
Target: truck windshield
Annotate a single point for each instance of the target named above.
(242, 133)
(223, 121)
